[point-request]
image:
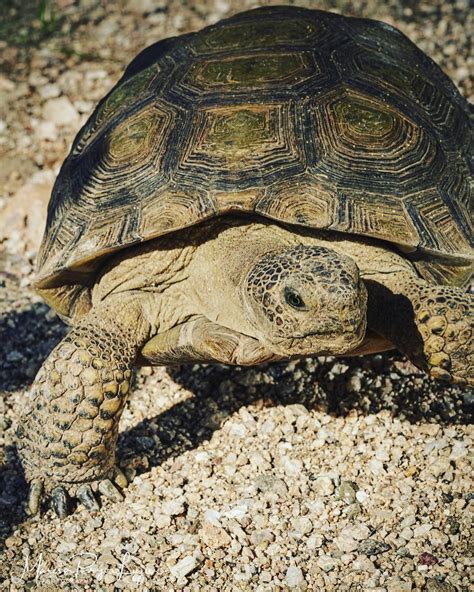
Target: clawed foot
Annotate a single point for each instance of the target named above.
(445, 325)
(61, 496)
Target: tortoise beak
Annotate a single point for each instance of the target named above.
(335, 343)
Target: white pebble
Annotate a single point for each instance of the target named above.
(292, 467)
(323, 486)
(294, 576)
(420, 531)
(173, 507)
(184, 567)
(60, 111)
(46, 130)
(459, 450)
(326, 562)
(212, 517)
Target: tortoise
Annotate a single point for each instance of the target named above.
(285, 183)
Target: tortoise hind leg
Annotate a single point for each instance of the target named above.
(432, 325)
(69, 427)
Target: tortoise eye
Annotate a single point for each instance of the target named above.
(293, 299)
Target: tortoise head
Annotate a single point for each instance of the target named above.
(306, 300)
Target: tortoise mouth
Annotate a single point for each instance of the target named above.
(321, 342)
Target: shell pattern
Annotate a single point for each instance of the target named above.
(302, 116)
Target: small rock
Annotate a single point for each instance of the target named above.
(184, 566)
(292, 467)
(421, 530)
(300, 526)
(427, 559)
(435, 585)
(406, 533)
(323, 486)
(397, 584)
(14, 356)
(438, 538)
(361, 496)
(109, 578)
(439, 466)
(363, 563)
(347, 492)
(411, 471)
(11, 542)
(162, 520)
(326, 563)
(359, 531)
(214, 536)
(142, 6)
(354, 384)
(270, 484)
(294, 576)
(372, 547)
(346, 543)
(49, 91)
(6, 84)
(237, 429)
(315, 541)
(46, 130)
(60, 111)
(459, 450)
(212, 516)
(26, 211)
(453, 526)
(173, 507)
(262, 537)
(5, 422)
(375, 466)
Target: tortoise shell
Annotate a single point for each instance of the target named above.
(302, 116)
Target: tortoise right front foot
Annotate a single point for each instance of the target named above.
(201, 340)
(69, 427)
(62, 495)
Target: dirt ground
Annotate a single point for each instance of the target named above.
(322, 474)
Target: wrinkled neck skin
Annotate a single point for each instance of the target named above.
(220, 266)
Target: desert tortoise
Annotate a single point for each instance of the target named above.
(284, 183)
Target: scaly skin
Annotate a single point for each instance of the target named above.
(69, 427)
(431, 325)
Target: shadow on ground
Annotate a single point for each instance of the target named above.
(367, 385)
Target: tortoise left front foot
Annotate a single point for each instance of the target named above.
(432, 325)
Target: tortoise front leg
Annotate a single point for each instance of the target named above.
(69, 427)
(431, 325)
(201, 340)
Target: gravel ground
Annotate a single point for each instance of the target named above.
(322, 474)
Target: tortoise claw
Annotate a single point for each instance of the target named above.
(60, 501)
(63, 498)
(107, 488)
(119, 478)
(35, 495)
(87, 498)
